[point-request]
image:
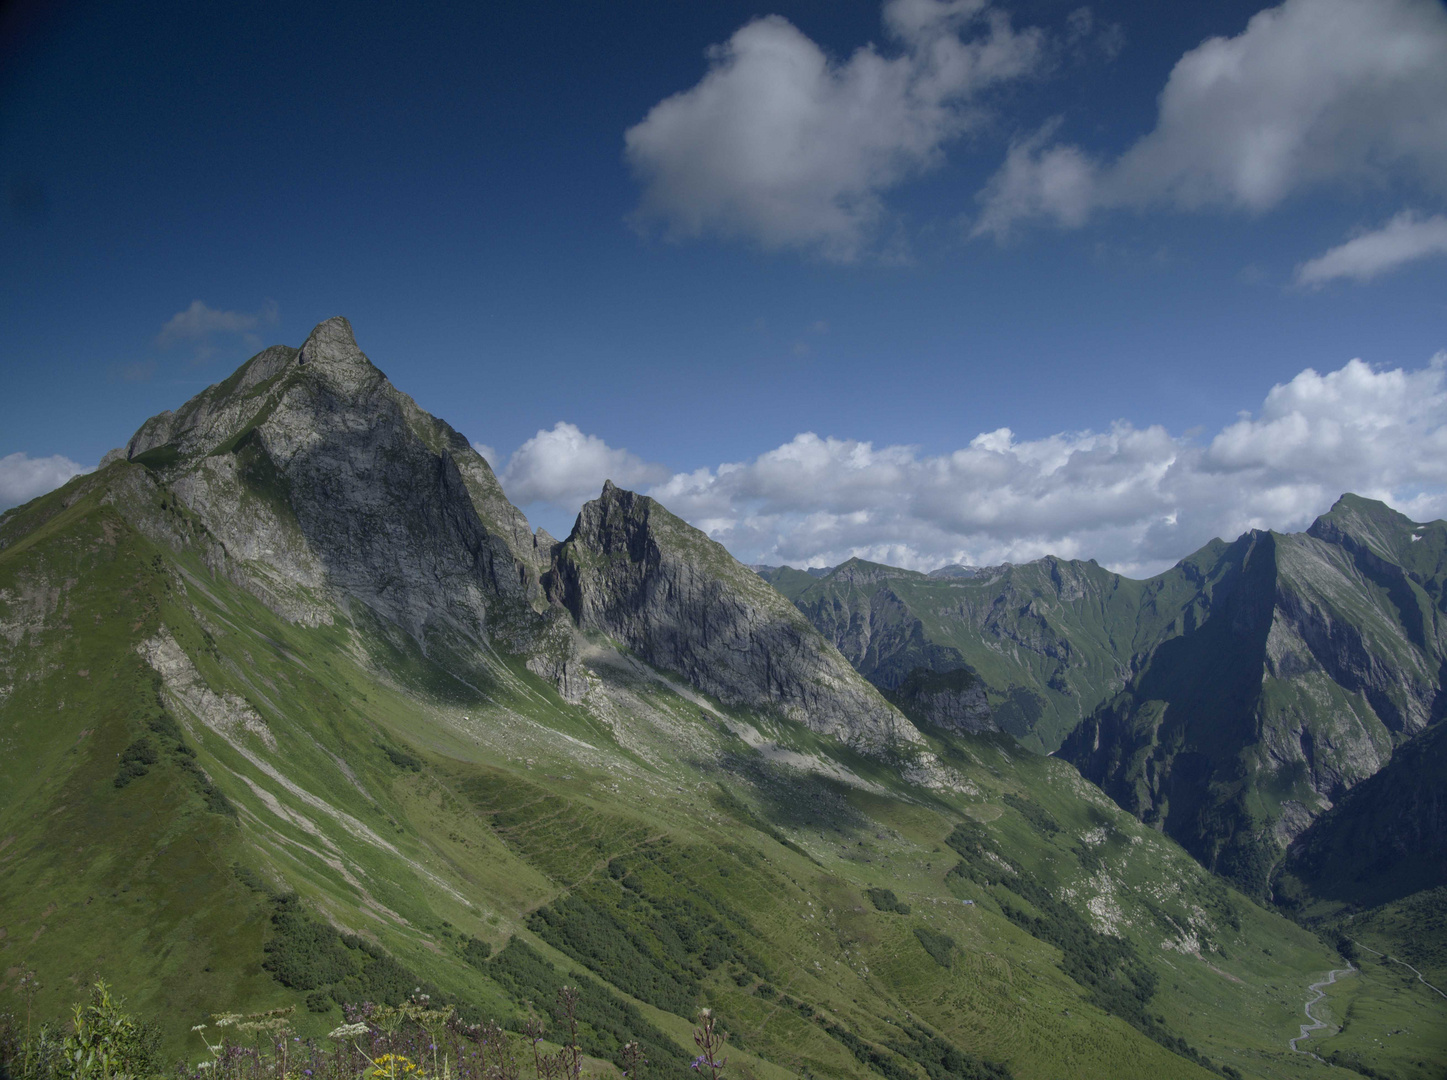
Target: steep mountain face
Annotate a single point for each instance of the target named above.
(634, 572)
(1045, 642)
(953, 700)
(1305, 661)
(1385, 840)
(330, 494)
(324, 485)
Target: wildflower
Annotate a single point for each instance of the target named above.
(348, 1031)
(393, 1066)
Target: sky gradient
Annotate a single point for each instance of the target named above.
(793, 268)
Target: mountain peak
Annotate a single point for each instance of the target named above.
(857, 571)
(330, 341)
(1357, 521)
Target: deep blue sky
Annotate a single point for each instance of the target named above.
(453, 180)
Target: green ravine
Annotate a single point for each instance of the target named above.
(222, 791)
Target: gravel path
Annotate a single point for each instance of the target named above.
(1409, 967)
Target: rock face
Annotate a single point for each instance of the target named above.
(326, 485)
(1385, 839)
(634, 572)
(954, 700)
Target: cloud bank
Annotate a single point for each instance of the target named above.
(784, 146)
(1136, 499)
(1314, 93)
(23, 477)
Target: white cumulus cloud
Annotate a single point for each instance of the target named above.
(1313, 93)
(785, 146)
(1136, 499)
(23, 477)
(1404, 239)
(564, 468)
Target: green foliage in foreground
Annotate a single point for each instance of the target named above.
(414, 1040)
(102, 1042)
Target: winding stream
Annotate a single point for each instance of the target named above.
(1316, 1025)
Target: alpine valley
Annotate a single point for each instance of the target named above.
(297, 710)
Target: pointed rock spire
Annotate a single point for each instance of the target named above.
(331, 340)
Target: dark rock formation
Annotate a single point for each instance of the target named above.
(634, 572)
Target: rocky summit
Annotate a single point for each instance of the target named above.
(298, 716)
(324, 486)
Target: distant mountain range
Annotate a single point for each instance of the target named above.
(1230, 700)
(296, 710)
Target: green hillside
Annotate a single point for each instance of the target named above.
(220, 791)
(420, 816)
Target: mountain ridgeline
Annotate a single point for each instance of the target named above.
(1229, 701)
(326, 487)
(298, 712)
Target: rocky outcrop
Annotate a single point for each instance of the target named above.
(954, 700)
(632, 571)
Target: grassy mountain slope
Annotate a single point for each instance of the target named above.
(408, 809)
(1373, 870)
(218, 800)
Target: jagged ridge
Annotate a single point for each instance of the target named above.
(635, 572)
